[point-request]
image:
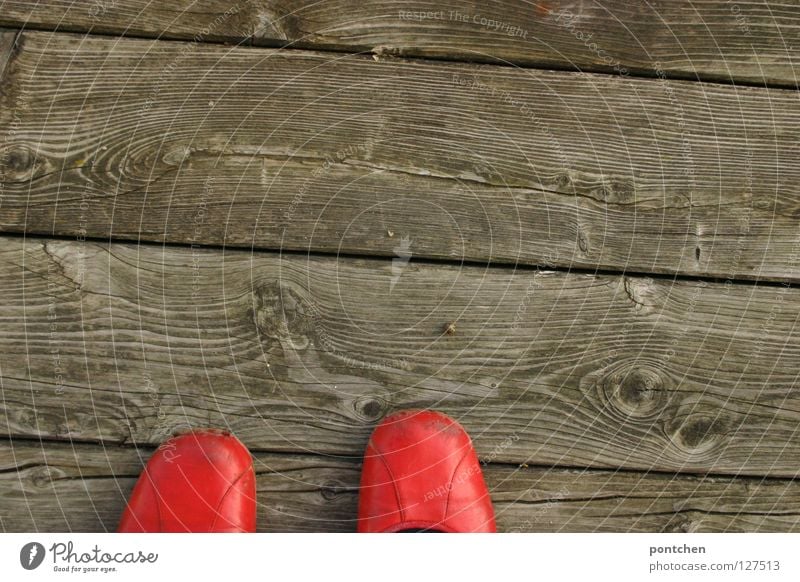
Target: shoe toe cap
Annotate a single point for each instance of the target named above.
(420, 470)
(198, 481)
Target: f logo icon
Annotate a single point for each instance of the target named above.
(31, 555)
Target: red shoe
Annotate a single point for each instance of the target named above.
(421, 473)
(202, 481)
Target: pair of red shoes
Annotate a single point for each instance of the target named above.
(420, 473)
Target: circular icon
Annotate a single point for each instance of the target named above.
(31, 555)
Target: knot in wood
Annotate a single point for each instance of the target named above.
(618, 190)
(583, 241)
(331, 489)
(639, 291)
(696, 433)
(369, 408)
(20, 163)
(635, 390)
(282, 312)
(42, 477)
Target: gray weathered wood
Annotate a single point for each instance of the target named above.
(76, 487)
(7, 40)
(715, 39)
(196, 143)
(127, 343)
(200, 20)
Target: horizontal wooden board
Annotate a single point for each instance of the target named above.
(126, 343)
(753, 42)
(82, 488)
(203, 144)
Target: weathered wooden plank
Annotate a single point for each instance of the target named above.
(127, 343)
(553, 500)
(197, 143)
(76, 487)
(7, 39)
(713, 39)
(198, 20)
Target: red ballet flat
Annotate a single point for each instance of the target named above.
(201, 481)
(421, 473)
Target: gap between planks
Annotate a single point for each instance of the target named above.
(499, 265)
(148, 449)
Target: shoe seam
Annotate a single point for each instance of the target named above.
(225, 495)
(395, 488)
(452, 477)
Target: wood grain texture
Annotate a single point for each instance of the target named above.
(76, 487)
(203, 20)
(127, 343)
(82, 488)
(202, 144)
(754, 42)
(7, 40)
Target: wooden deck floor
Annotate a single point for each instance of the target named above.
(228, 214)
